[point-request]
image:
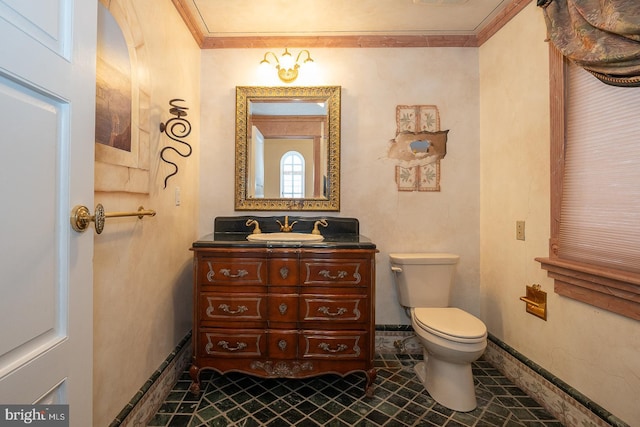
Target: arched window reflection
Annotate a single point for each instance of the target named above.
(292, 175)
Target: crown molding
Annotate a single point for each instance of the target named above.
(355, 41)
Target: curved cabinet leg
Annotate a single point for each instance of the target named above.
(194, 373)
(371, 378)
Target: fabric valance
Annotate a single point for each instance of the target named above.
(602, 36)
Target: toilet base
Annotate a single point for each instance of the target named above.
(450, 384)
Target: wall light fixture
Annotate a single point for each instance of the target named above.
(285, 64)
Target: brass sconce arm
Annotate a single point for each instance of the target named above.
(266, 61)
(309, 59)
(287, 73)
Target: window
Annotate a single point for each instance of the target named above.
(292, 175)
(594, 253)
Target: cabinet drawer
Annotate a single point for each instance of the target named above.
(346, 272)
(333, 345)
(283, 308)
(236, 271)
(284, 271)
(283, 344)
(334, 308)
(229, 343)
(224, 307)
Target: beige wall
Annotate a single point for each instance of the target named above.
(592, 350)
(373, 82)
(142, 268)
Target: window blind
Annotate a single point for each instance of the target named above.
(600, 209)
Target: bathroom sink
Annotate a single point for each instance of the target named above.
(285, 237)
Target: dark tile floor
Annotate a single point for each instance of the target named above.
(330, 400)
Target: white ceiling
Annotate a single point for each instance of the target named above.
(260, 18)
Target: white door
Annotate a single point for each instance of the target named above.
(47, 103)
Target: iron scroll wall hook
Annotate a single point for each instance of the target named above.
(176, 128)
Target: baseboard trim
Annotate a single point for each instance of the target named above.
(146, 402)
(565, 403)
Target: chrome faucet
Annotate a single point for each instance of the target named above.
(286, 227)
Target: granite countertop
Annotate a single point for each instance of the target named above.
(340, 233)
(239, 240)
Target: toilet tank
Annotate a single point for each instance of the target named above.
(423, 279)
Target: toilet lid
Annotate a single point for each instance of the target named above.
(450, 323)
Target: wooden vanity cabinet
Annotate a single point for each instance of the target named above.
(284, 312)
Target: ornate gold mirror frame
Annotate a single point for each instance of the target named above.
(328, 199)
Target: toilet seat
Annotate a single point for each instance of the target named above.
(450, 323)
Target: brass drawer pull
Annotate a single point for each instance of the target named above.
(326, 347)
(325, 311)
(210, 273)
(239, 346)
(327, 274)
(227, 309)
(282, 344)
(227, 273)
(284, 272)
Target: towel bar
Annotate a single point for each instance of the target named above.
(81, 217)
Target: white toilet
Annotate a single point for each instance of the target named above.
(451, 338)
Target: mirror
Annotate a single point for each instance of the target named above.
(288, 148)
